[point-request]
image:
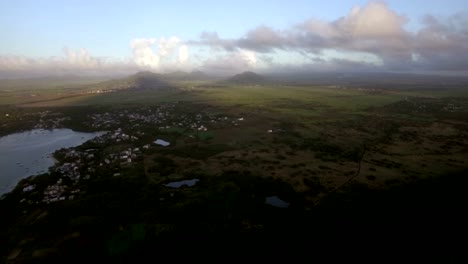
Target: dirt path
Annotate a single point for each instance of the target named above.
(346, 182)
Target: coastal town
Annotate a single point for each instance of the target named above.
(127, 135)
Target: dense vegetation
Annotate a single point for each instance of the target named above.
(351, 162)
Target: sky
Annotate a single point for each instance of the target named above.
(92, 37)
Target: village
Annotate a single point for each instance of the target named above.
(129, 134)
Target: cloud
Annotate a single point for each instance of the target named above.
(442, 44)
(166, 46)
(332, 65)
(230, 62)
(368, 37)
(163, 54)
(373, 21)
(81, 58)
(248, 57)
(76, 62)
(374, 29)
(363, 28)
(143, 55)
(183, 54)
(263, 39)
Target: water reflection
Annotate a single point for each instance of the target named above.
(275, 201)
(29, 153)
(179, 184)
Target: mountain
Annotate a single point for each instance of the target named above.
(185, 76)
(247, 77)
(144, 80)
(148, 80)
(199, 75)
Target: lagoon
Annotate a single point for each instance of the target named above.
(30, 153)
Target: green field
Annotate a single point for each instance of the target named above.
(334, 154)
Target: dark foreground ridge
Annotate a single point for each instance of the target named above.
(247, 77)
(123, 218)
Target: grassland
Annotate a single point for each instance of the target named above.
(324, 127)
(341, 157)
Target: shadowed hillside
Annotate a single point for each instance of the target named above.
(247, 77)
(144, 80)
(186, 76)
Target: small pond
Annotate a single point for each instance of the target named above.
(277, 202)
(179, 184)
(162, 142)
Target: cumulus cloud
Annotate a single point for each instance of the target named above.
(77, 62)
(213, 40)
(166, 46)
(375, 29)
(183, 54)
(81, 58)
(163, 54)
(363, 28)
(373, 21)
(248, 57)
(262, 39)
(372, 29)
(143, 54)
(230, 62)
(442, 44)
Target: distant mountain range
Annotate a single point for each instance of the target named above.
(185, 76)
(141, 80)
(247, 77)
(147, 80)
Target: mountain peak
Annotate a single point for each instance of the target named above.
(146, 74)
(247, 77)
